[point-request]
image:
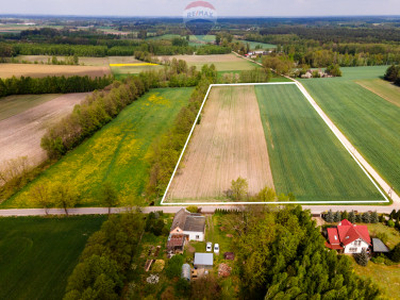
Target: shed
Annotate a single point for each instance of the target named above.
(186, 272)
(378, 246)
(203, 260)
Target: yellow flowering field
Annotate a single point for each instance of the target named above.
(116, 153)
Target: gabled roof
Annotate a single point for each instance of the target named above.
(348, 232)
(187, 221)
(333, 236)
(204, 259)
(180, 219)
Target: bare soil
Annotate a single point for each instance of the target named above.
(38, 71)
(20, 135)
(228, 143)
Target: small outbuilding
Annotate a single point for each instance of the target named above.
(378, 246)
(203, 260)
(186, 272)
(176, 243)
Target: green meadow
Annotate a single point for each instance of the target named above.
(306, 158)
(38, 254)
(370, 122)
(117, 153)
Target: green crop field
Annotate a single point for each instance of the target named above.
(117, 152)
(306, 157)
(37, 254)
(258, 45)
(13, 105)
(382, 88)
(371, 123)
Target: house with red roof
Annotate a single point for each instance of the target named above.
(348, 237)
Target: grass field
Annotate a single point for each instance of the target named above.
(258, 45)
(386, 277)
(393, 236)
(222, 62)
(13, 105)
(228, 143)
(37, 255)
(382, 88)
(306, 157)
(117, 152)
(370, 123)
(36, 71)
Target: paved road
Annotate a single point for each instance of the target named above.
(173, 209)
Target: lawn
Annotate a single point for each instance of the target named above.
(14, 105)
(116, 153)
(370, 123)
(37, 254)
(393, 236)
(306, 157)
(386, 277)
(257, 45)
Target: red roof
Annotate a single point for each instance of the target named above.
(333, 236)
(176, 240)
(334, 247)
(348, 232)
(200, 3)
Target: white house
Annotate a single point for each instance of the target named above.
(348, 237)
(191, 225)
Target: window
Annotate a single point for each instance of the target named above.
(197, 237)
(352, 249)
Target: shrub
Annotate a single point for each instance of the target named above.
(174, 267)
(193, 209)
(362, 258)
(395, 253)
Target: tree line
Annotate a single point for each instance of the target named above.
(107, 258)
(165, 151)
(281, 255)
(93, 113)
(393, 74)
(321, 53)
(51, 84)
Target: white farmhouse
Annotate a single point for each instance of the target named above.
(189, 224)
(348, 237)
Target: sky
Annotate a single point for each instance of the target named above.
(245, 8)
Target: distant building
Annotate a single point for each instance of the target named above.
(348, 237)
(203, 260)
(189, 224)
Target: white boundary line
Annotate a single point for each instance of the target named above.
(320, 113)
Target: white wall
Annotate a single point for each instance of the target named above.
(192, 236)
(356, 246)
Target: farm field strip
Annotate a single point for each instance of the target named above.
(369, 122)
(40, 70)
(315, 106)
(21, 133)
(225, 145)
(117, 153)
